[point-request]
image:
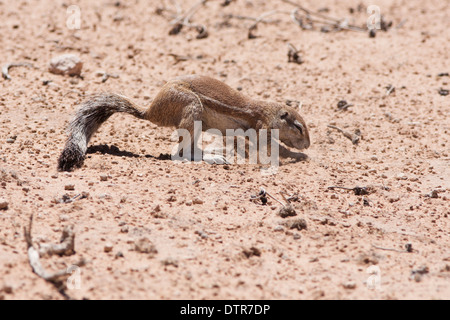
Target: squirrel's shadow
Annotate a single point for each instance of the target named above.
(115, 151)
(298, 157)
(292, 156)
(289, 156)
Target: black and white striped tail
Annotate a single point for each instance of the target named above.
(87, 120)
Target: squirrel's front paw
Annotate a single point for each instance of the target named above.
(215, 159)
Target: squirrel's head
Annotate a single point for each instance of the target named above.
(292, 128)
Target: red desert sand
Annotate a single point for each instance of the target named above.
(147, 227)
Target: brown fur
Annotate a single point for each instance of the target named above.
(181, 102)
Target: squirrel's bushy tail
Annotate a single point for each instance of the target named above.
(88, 119)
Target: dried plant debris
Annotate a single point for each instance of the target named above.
(286, 209)
(385, 25)
(306, 19)
(251, 35)
(241, 17)
(262, 196)
(359, 191)
(67, 199)
(359, 8)
(253, 251)
(202, 32)
(65, 247)
(293, 54)
(310, 20)
(176, 29)
(418, 273)
(6, 67)
(354, 138)
(183, 20)
(389, 89)
(293, 103)
(408, 248)
(344, 105)
(261, 18)
(179, 58)
(105, 75)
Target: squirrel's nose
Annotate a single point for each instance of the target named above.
(307, 143)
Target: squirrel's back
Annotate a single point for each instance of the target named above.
(214, 89)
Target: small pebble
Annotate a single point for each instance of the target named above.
(3, 204)
(170, 262)
(394, 199)
(144, 245)
(434, 194)
(298, 224)
(349, 285)
(202, 234)
(66, 64)
(443, 92)
(297, 236)
(401, 176)
(7, 289)
(287, 211)
(197, 201)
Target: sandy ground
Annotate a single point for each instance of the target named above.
(212, 242)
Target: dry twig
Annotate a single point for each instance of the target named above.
(353, 137)
(359, 191)
(66, 247)
(293, 54)
(184, 21)
(105, 76)
(261, 19)
(239, 17)
(6, 67)
(312, 17)
(408, 248)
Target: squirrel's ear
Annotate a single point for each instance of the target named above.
(284, 114)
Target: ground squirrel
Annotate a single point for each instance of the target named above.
(179, 103)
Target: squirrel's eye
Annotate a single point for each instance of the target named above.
(299, 126)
